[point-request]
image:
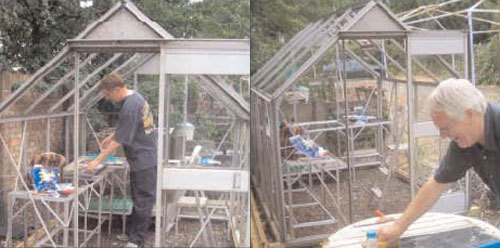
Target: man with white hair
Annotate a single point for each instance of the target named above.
(461, 113)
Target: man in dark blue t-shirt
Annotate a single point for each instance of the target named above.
(135, 131)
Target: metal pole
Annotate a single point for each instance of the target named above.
(102, 184)
(185, 119)
(22, 152)
(471, 47)
(247, 167)
(47, 136)
(186, 85)
(235, 161)
(411, 145)
(337, 111)
(66, 136)
(380, 113)
(87, 195)
(487, 11)
(277, 172)
(247, 233)
(453, 61)
(76, 132)
(135, 82)
(346, 109)
(434, 17)
(161, 124)
(94, 134)
(83, 132)
(384, 59)
(66, 221)
(380, 135)
(166, 143)
(466, 58)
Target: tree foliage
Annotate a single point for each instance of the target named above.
(274, 23)
(34, 31)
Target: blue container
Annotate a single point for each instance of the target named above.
(44, 179)
(108, 158)
(371, 234)
(495, 244)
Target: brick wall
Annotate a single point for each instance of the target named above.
(36, 134)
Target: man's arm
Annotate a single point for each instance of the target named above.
(425, 198)
(106, 141)
(112, 146)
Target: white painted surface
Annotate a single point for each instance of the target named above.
(453, 203)
(376, 19)
(122, 25)
(430, 223)
(437, 42)
(425, 129)
(210, 57)
(210, 179)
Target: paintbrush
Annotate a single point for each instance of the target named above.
(382, 219)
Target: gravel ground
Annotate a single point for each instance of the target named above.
(188, 229)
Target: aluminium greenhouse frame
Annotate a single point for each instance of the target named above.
(359, 22)
(145, 38)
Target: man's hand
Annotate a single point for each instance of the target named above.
(425, 198)
(90, 167)
(389, 233)
(110, 147)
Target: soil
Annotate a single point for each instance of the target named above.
(188, 229)
(363, 204)
(365, 201)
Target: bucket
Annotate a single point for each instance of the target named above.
(188, 130)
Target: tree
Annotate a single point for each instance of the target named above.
(35, 30)
(275, 22)
(205, 19)
(224, 19)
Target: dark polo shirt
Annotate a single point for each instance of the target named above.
(485, 160)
